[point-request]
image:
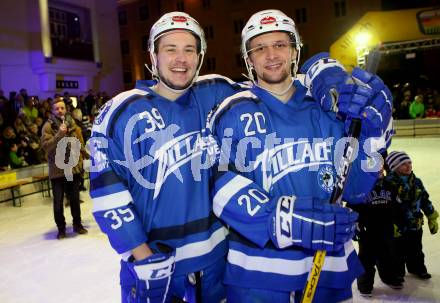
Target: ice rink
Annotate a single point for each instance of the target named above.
(37, 268)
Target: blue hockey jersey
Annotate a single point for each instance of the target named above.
(149, 177)
(276, 149)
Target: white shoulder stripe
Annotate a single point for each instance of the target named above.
(115, 103)
(111, 201)
(222, 106)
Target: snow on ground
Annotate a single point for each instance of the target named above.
(37, 268)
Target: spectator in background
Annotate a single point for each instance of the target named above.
(82, 105)
(19, 126)
(39, 122)
(89, 103)
(35, 154)
(430, 109)
(68, 102)
(78, 117)
(23, 93)
(9, 137)
(12, 95)
(87, 126)
(402, 107)
(18, 103)
(62, 125)
(417, 108)
(29, 109)
(16, 161)
(44, 107)
(7, 110)
(3, 101)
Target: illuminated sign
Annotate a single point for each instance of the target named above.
(67, 84)
(429, 21)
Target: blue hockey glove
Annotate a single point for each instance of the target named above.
(323, 78)
(361, 95)
(377, 110)
(311, 223)
(153, 277)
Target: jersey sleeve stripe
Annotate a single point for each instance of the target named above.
(288, 267)
(226, 192)
(112, 201)
(108, 190)
(105, 179)
(181, 231)
(196, 249)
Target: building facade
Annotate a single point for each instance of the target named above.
(50, 47)
(319, 23)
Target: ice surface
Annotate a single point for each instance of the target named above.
(37, 268)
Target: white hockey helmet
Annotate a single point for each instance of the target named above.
(175, 21)
(266, 21)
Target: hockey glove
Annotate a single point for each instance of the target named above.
(432, 222)
(323, 78)
(153, 277)
(361, 95)
(311, 223)
(377, 110)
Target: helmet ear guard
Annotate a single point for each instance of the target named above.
(175, 21)
(267, 21)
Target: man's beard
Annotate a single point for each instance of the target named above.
(172, 86)
(275, 80)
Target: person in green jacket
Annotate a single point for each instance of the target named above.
(14, 160)
(417, 108)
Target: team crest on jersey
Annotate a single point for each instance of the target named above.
(326, 178)
(102, 112)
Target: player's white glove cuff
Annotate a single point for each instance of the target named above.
(153, 278)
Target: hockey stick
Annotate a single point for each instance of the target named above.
(345, 164)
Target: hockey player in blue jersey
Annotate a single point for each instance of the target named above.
(278, 168)
(148, 183)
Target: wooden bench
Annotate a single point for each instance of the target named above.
(14, 187)
(45, 184)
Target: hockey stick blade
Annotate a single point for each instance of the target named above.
(341, 179)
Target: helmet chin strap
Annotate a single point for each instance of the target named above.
(279, 94)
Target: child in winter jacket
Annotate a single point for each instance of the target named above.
(414, 203)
